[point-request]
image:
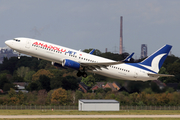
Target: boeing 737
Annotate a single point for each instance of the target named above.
(87, 62)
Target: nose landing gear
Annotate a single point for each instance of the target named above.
(19, 56)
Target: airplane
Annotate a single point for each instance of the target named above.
(87, 62)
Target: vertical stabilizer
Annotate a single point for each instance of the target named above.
(155, 61)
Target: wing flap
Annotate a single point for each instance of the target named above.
(102, 63)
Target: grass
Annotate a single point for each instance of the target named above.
(75, 112)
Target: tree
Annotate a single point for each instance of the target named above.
(78, 95)
(59, 96)
(174, 69)
(70, 83)
(57, 72)
(34, 64)
(170, 90)
(99, 90)
(48, 98)
(28, 76)
(163, 71)
(9, 64)
(12, 93)
(8, 86)
(42, 64)
(56, 82)
(20, 96)
(89, 80)
(155, 88)
(33, 86)
(31, 97)
(148, 91)
(22, 71)
(14, 100)
(45, 82)
(107, 90)
(137, 86)
(41, 98)
(17, 79)
(42, 72)
(5, 81)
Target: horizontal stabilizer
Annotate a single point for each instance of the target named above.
(160, 75)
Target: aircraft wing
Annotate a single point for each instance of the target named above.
(94, 66)
(160, 75)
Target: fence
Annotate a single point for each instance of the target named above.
(35, 107)
(149, 107)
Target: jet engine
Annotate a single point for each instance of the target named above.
(58, 65)
(71, 64)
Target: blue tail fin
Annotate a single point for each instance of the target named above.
(155, 61)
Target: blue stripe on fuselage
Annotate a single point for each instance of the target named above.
(139, 66)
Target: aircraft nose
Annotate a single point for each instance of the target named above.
(8, 42)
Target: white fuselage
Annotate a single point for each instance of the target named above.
(55, 53)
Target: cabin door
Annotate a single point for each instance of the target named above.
(28, 43)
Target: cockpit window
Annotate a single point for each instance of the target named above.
(16, 40)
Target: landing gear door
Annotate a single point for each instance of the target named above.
(28, 43)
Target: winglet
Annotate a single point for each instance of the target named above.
(92, 51)
(127, 59)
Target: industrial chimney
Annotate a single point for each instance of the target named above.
(121, 36)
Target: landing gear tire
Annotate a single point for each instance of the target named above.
(79, 74)
(84, 74)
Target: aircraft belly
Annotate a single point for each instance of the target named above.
(42, 55)
(113, 74)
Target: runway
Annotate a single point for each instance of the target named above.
(89, 116)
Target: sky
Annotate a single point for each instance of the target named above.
(84, 24)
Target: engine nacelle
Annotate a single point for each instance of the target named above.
(58, 65)
(71, 64)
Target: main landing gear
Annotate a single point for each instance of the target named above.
(83, 74)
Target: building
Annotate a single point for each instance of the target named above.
(83, 87)
(98, 85)
(160, 84)
(114, 86)
(98, 105)
(6, 52)
(20, 86)
(143, 51)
